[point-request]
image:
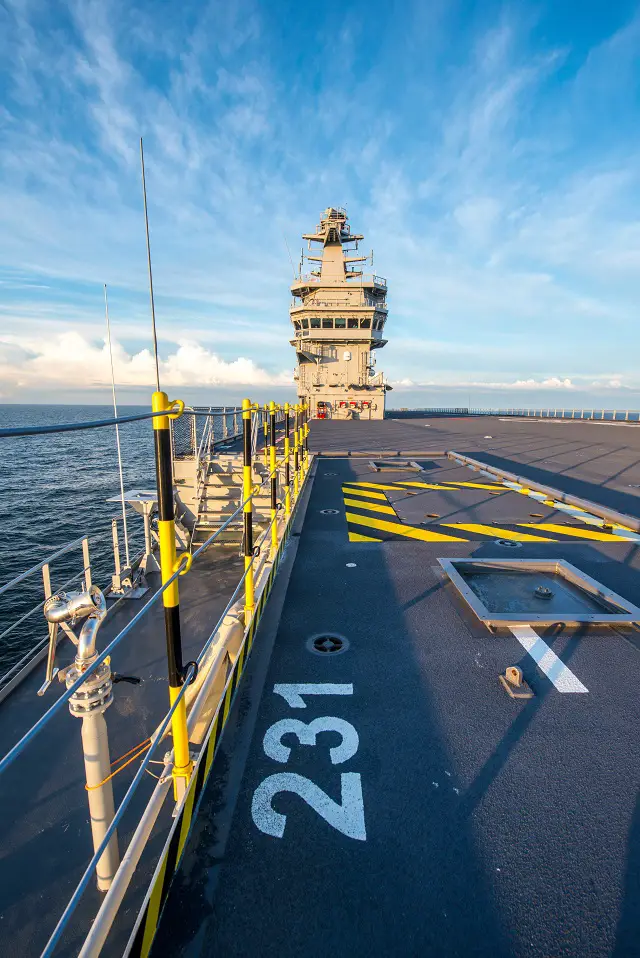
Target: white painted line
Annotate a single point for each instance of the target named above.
(547, 660)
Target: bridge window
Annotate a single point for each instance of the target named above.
(305, 324)
(341, 322)
(365, 324)
(296, 324)
(314, 322)
(352, 323)
(327, 324)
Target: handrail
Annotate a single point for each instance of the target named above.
(50, 558)
(19, 747)
(86, 877)
(181, 566)
(17, 431)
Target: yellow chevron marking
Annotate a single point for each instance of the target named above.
(356, 537)
(385, 526)
(371, 506)
(497, 532)
(363, 492)
(574, 533)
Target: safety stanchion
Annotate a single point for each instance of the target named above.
(182, 763)
(296, 453)
(247, 485)
(274, 478)
(265, 432)
(305, 436)
(287, 464)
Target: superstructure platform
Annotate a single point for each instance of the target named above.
(378, 792)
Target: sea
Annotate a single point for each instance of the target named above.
(54, 489)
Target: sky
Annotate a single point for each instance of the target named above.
(489, 152)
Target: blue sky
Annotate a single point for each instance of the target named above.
(489, 153)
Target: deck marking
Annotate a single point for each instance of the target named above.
(375, 485)
(497, 531)
(307, 733)
(547, 660)
(365, 493)
(292, 692)
(371, 506)
(474, 485)
(574, 531)
(356, 537)
(408, 531)
(346, 817)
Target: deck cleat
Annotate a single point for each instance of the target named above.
(514, 684)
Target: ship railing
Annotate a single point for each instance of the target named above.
(286, 487)
(565, 413)
(29, 660)
(368, 279)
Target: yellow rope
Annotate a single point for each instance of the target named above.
(141, 749)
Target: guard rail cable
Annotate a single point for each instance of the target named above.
(256, 593)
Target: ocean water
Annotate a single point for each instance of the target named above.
(53, 490)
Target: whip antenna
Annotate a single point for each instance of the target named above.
(153, 309)
(115, 413)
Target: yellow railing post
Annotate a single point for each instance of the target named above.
(265, 430)
(274, 478)
(287, 464)
(182, 763)
(305, 434)
(296, 453)
(247, 487)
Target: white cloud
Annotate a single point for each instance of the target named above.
(69, 360)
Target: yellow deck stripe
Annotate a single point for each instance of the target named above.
(371, 506)
(574, 532)
(369, 493)
(422, 485)
(476, 485)
(356, 537)
(374, 485)
(408, 531)
(497, 532)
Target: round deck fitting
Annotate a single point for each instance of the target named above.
(329, 512)
(327, 643)
(508, 543)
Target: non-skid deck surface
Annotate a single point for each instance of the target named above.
(401, 803)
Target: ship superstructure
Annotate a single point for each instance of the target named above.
(338, 316)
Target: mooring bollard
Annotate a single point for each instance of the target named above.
(182, 763)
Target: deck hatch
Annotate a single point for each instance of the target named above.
(541, 591)
(395, 465)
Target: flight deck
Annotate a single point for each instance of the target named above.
(377, 791)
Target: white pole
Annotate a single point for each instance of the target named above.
(97, 764)
(115, 413)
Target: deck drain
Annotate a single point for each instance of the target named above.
(327, 644)
(325, 474)
(508, 543)
(329, 512)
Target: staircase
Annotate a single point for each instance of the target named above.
(222, 495)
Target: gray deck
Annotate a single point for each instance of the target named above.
(493, 827)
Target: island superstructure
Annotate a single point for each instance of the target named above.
(338, 315)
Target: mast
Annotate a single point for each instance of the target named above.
(338, 316)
